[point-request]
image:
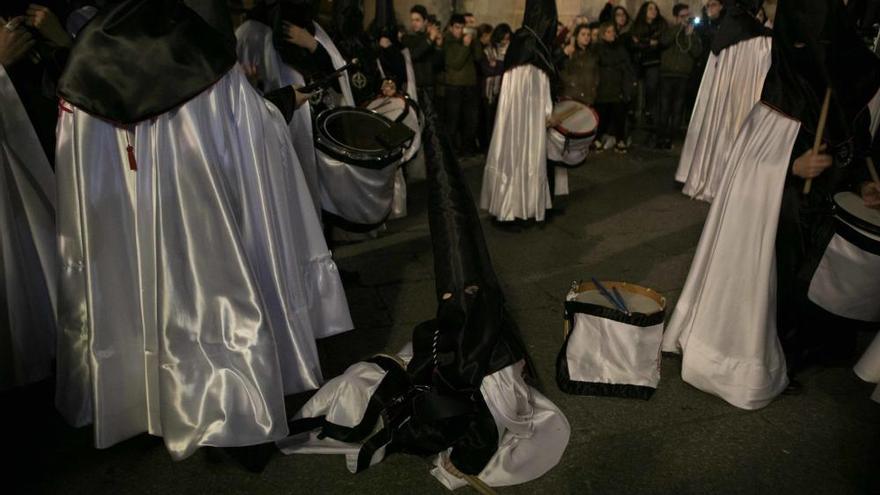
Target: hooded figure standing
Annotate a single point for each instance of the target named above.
(516, 184)
(731, 85)
(194, 278)
(743, 309)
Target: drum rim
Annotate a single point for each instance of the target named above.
(334, 149)
(854, 220)
(408, 101)
(573, 134)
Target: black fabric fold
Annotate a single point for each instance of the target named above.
(740, 24)
(142, 58)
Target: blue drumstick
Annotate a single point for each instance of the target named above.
(620, 300)
(604, 292)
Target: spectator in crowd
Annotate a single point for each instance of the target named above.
(681, 50)
(462, 53)
(580, 74)
(645, 35)
(594, 33)
(435, 28)
(622, 21)
(617, 82)
(493, 69)
(423, 49)
(607, 12)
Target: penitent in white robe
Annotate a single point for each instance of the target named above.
(28, 258)
(868, 367)
(725, 321)
(731, 85)
(194, 287)
(515, 184)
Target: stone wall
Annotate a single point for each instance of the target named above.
(511, 11)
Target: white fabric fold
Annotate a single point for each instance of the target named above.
(194, 286)
(515, 184)
(338, 62)
(28, 259)
(868, 367)
(725, 320)
(731, 85)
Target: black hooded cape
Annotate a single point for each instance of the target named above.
(739, 24)
(141, 58)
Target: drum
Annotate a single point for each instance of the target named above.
(569, 141)
(847, 280)
(404, 110)
(356, 170)
(611, 349)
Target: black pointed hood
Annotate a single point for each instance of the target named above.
(533, 42)
(384, 23)
(106, 73)
(816, 46)
(740, 23)
(348, 19)
(474, 335)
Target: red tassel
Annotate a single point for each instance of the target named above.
(132, 163)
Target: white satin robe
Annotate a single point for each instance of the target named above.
(725, 321)
(515, 184)
(532, 432)
(255, 47)
(193, 288)
(28, 259)
(731, 85)
(868, 367)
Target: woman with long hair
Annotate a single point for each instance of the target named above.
(645, 37)
(580, 75)
(622, 20)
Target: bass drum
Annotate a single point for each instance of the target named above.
(356, 170)
(569, 141)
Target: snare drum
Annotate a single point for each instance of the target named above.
(356, 171)
(569, 142)
(609, 351)
(847, 280)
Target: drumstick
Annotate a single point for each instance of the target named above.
(820, 130)
(478, 485)
(561, 116)
(873, 171)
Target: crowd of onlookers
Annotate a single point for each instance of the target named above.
(635, 70)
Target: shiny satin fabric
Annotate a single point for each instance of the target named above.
(515, 184)
(533, 433)
(193, 288)
(868, 367)
(847, 280)
(731, 86)
(359, 195)
(347, 97)
(392, 108)
(255, 48)
(28, 259)
(725, 321)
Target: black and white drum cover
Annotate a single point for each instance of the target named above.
(608, 351)
(847, 281)
(356, 170)
(569, 141)
(404, 110)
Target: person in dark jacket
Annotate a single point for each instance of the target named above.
(617, 82)
(580, 76)
(422, 44)
(492, 67)
(461, 52)
(645, 41)
(681, 50)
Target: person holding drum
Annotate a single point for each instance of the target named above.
(743, 322)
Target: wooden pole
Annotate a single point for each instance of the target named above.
(820, 130)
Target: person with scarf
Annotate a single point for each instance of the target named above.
(516, 179)
(194, 276)
(732, 83)
(743, 320)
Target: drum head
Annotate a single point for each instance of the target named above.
(350, 135)
(852, 209)
(582, 123)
